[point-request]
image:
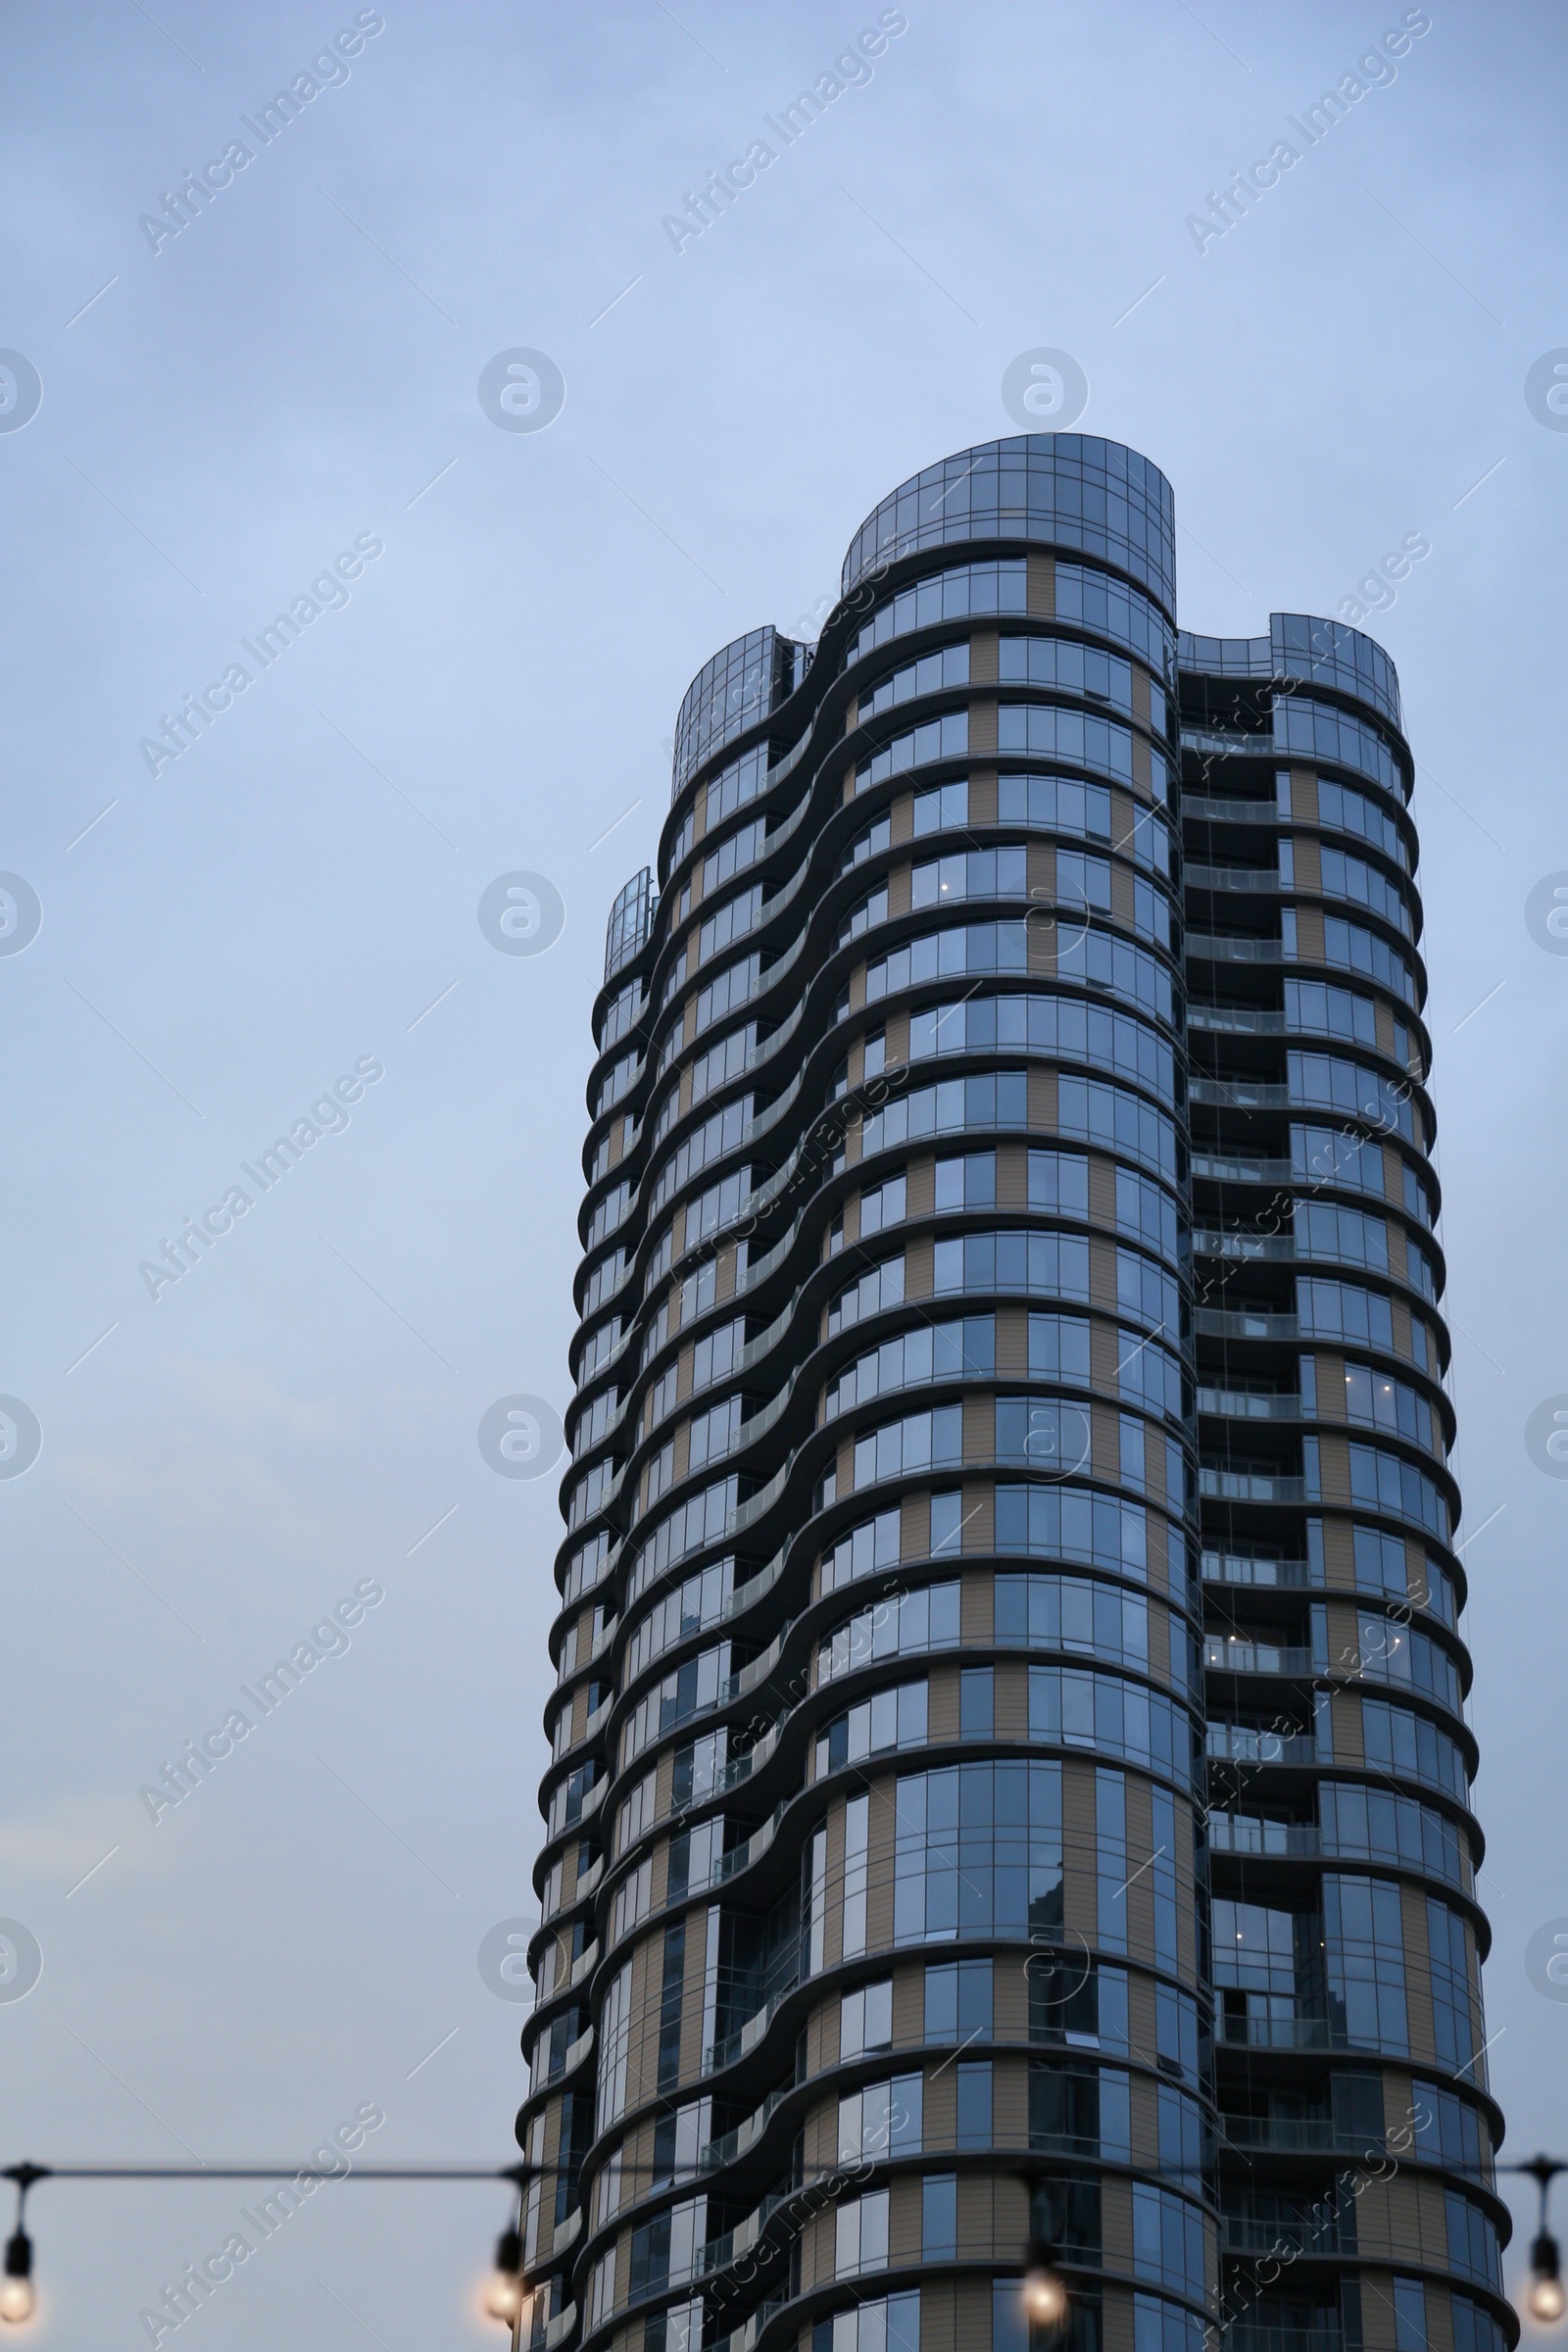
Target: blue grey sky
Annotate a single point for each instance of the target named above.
(296, 374)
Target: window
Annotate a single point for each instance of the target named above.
(1382, 1483)
(920, 1442)
(1068, 665)
(905, 1623)
(889, 2324)
(1350, 812)
(1110, 1858)
(614, 2040)
(1349, 1235)
(946, 738)
(1448, 2129)
(998, 1099)
(1347, 877)
(1048, 733)
(970, 874)
(1377, 1825)
(1365, 1948)
(1453, 2023)
(1472, 2241)
(1054, 1266)
(882, 2119)
(1054, 804)
(1077, 2003)
(938, 2217)
(669, 2006)
(958, 2001)
(1146, 1213)
(1474, 2329)
(1076, 2111)
(1091, 957)
(888, 1719)
(1394, 1653)
(1076, 1707)
(948, 666)
(873, 1545)
(970, 1182)
(1063, 1027)
(1059, 1349)
(865, 2020)
(978, 1851)
(931, 1351)
(1313, 728)
(1342, 1311)
(882, 1206)
(976, 1704)
(1395, 1741)
(1325, 1155)
(861, 2235)
(942, 810)
(974, 2103)
(1355, 949)
(1094, 1111)
(1168, 2239)
(950, 594)
(1316, 1007)
(1161, 2326)
(1072, 1613)
(1069, 1523)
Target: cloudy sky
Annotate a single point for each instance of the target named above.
(295, 376)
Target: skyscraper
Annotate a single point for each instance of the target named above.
(1009, 1802)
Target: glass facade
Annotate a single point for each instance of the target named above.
(1008, 1778)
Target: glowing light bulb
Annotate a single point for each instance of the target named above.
(17, 2298)
(1044, 2297)
(1548, 2300)
(503, 2297)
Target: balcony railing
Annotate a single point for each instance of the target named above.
(1249, 1485)
(1254, 1744)
(1232, 1169)
(1221, 1656)
(1251, 1405)
(1248, 879)
(1244, 1323)
(1210, 1243)
(1276, 2032)
(1235, 1020)
(1228, 740)
(1224, 947)
(1238, 1093)
(1248, 1833)
(1248, 1568)
(1228, 813)
(1288, 2135)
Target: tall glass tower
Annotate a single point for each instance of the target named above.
(1008, 1812)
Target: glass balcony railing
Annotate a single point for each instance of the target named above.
(1252, 1405)
(1276, 2032)
(1252, 1833)
(1252, 1568)
(1228, 813)
(1256, 1743)
(1223, 1654)
(1235, 1020)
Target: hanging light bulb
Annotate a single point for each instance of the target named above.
(1547, 2298)
(1044, 2290)
(503, 2297)
(16, 2297)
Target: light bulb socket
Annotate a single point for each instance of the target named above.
(1544, 2258)
(19, 2255)
(508, 2253)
